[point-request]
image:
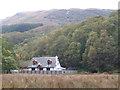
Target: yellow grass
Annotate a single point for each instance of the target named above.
(59, 81)
(0, 81)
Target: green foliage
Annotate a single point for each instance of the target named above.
(72, 55)
(8, 63)
(8, 57)
(24, 37)
(100, 52)
(19, 27)
(18, 37)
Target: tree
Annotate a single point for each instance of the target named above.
(89, 56)
(59, 46)
(100, 55)
(72, 55)
(106, 52)
(8, 57)
(8, 63)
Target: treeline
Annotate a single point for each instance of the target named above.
(9, 60)
(24, 37)
(90, 45)
(19, 27)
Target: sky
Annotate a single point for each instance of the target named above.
(11, 7)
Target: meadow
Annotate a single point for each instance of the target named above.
(59, 81)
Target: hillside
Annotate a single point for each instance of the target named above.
(50, 19)
(19, 27)
(19, 37)
(90, 44)
(55, 16)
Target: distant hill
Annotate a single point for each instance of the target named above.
(56, 16)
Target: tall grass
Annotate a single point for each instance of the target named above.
(0, 81)
(59, 81)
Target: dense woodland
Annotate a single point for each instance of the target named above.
(19, 27)
(9, 58)
(91, 45)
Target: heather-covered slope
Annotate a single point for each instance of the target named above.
(56, 16)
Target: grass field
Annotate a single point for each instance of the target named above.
(59, 81)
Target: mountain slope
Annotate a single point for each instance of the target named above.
(19, 37)
(55, 16)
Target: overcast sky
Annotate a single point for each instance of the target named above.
(11, 7)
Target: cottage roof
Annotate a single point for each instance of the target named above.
(43, 61)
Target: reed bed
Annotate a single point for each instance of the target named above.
(59, 81)
(0, 81)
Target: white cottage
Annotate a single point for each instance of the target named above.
(45, 63)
